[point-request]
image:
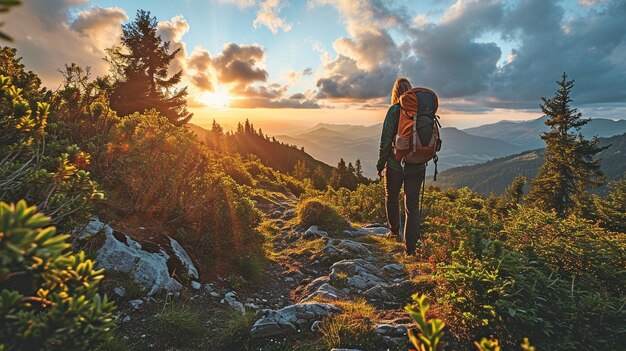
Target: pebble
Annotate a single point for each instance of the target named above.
(136, 303)
(196, 285)
(120, 291)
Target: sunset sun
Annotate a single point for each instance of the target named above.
(220, 98)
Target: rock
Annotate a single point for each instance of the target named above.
(327, 292)
(196, 285)
(367, 230)
(378, 293)
(136, 303)
(290, 319)
(214, 294)
(208, 287)
(394, 270)
(362, 275)
(252, 306)
(127, 255)
(231, 299)
(126, 319)
(184, 259)
(354, 247)
(120, 291)
(289, 280)
(314, 232)
(391, 330)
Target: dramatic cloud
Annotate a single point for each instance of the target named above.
(268, 16)
(454, 57)
(238, 64)
(592, 51)
(47, 37)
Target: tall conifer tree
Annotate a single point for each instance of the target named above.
(570, 168)
(141, 67)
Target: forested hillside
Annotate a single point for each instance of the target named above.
(496, 175)
(246, 140)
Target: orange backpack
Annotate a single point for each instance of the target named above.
(417, 140)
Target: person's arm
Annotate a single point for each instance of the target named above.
(386, 138)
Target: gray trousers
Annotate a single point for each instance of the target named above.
(394, 180)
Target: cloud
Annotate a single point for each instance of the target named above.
(268, 16)
(47, 36)
(592, 52)
(172, 31)
(238, 64)
(274, 103)
(241, 3)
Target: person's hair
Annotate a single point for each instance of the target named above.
(400, 87)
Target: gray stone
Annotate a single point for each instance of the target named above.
(231, 299)
(289, 280)
(120, 291)
(214, 294)
(136, 303)
(290, 319)
(126, 319)
(327, 292)
(196, 285)
(184, 259)
(394, 270)
(147, 268)
(362, 275)
(391, 330)
(379, 293)
(367, 230)
(314, 232)
(208, 287)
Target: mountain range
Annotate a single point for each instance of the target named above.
(528, 133)
(496, 175)
(328, 142)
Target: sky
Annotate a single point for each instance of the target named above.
(287, 65)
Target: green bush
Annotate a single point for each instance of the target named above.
(49, 297)
(318, 212)
(44, 169)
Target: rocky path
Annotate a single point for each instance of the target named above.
(309, 276)
(312, 275)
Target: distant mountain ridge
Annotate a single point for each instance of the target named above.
(495, 175)
(528, 133)
(329, 143)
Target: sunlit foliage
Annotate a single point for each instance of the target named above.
(49, 297)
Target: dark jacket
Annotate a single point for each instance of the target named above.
(385, 154)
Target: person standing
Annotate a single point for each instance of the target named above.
(398, 173)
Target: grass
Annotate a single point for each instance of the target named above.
(114, 279)
(179, 322)
(317, 212)
(234, 327)
(305, 248)
(353, 328)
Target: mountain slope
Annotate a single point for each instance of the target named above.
(494, 176)
(528, 133)
(329, 143)
(274, 154)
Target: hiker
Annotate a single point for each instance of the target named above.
(401, 161)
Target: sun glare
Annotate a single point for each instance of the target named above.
(218, 98)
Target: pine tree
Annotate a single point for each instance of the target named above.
(300, 170)
(141, 70)
(569, 169)
(358, 168)
(319, 178)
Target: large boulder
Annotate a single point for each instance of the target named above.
(148, 267)
(344, 249)
(326, 292)
(290, 319)
(361, 274)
